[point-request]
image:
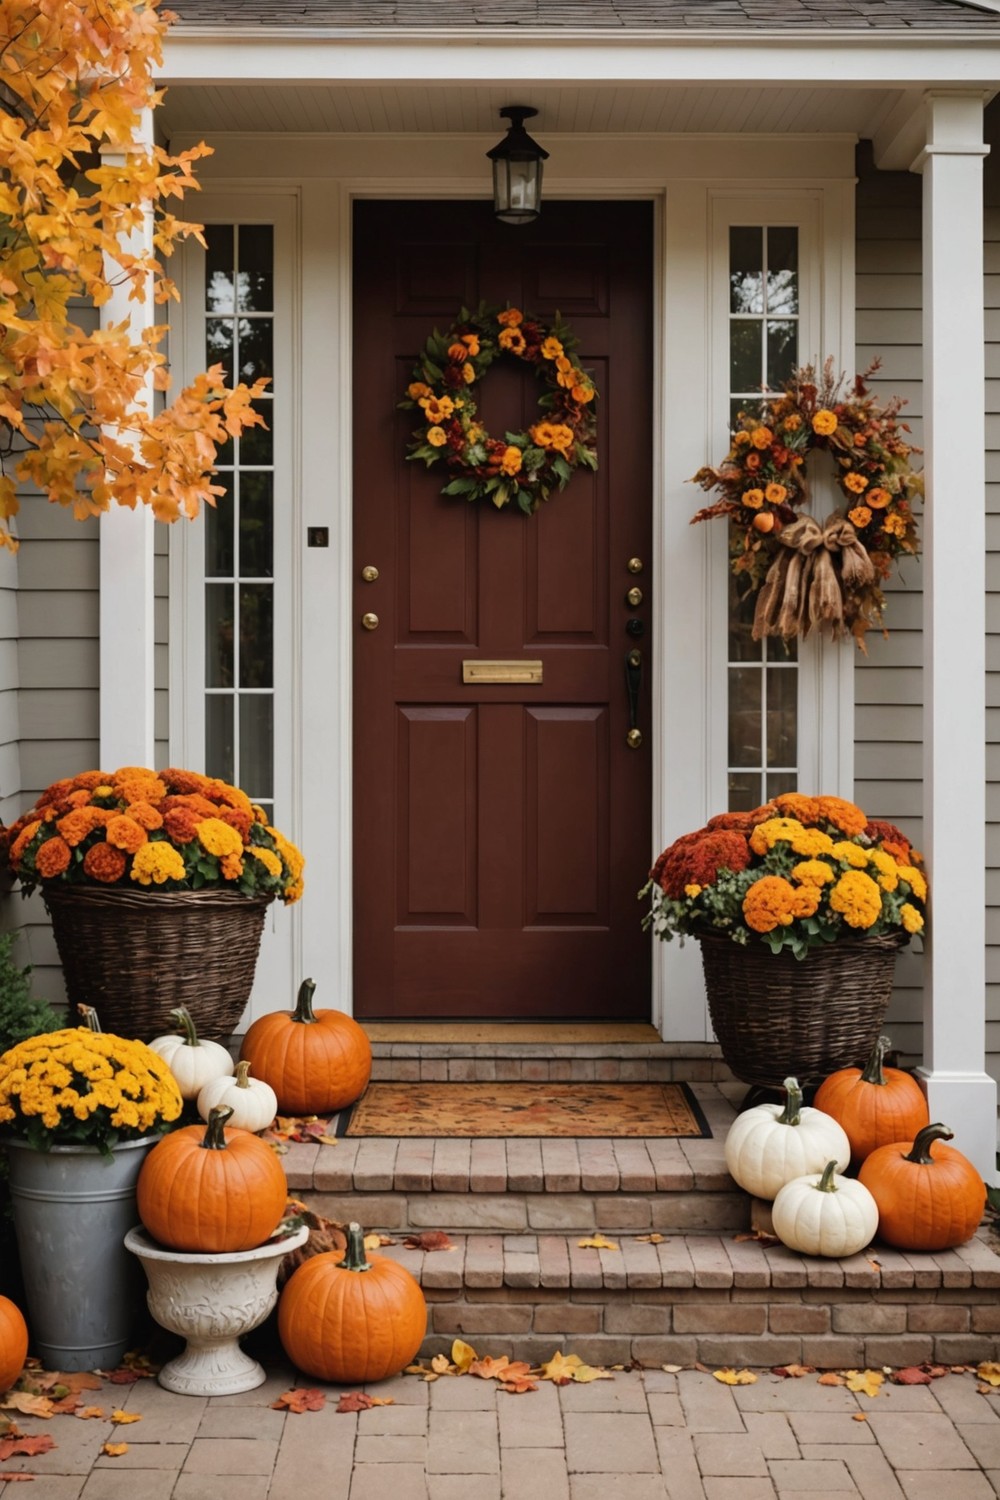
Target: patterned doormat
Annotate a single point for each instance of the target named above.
(525, 1109)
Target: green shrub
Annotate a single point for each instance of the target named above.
(21, 1014)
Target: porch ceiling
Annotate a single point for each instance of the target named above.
(665, 108)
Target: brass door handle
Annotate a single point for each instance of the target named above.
(369, 621)
(633, 682)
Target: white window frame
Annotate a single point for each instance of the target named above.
(277, 964)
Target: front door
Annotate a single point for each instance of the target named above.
(501, 829)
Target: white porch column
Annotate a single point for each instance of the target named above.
(126, 590)
(960, 1092)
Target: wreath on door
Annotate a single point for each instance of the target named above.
(809, 574)
(521, 468)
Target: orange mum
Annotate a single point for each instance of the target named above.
(105, 863)
(52, 858)
(125, 833)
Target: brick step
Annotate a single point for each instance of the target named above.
(545, 1062)
(525, 1184)
(708, 1298)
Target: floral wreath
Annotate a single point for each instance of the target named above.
(806, 573)
(524, 466)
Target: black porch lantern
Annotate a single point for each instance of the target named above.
(517, 170)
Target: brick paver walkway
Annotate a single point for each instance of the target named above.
(646, 1435)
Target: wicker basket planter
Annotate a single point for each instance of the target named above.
(135, 955)
(774, 1015)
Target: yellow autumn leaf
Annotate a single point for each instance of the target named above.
(865, 1382)
(560, 1367)
(989, 1371)
(442, 1365)
(373, 1241)
(583, 1374)
(735, 1377)
(650, 1239)
(462, 1355)
(28, 1403)
(124, 1417)
(115, 1450)
(87, 1413)
(597, 1242)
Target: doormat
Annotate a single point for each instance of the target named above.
(525, 1109)
(559, 1034)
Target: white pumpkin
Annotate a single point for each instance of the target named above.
(769, 1145)
(253, 1102)
(192, 1062)
(825, 1214)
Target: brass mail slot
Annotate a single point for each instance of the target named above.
(501, 671)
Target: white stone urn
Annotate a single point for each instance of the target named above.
(211, 1301)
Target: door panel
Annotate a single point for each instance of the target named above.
(501, 830)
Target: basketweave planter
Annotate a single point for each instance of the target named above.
(137, 955)
(775, 1015)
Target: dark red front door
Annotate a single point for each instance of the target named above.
(501, 830)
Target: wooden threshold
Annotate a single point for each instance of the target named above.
(485, 1033)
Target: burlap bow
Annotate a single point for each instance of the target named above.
(806, 583)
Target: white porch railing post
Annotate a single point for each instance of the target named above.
(960, 1092)
(126, 570)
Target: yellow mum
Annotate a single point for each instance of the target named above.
(157, 862)
(219, 838)
(914, 879)
(886, 867)
(812, 872)
(851, 854)
(824, 423)
(857, 898)
(911, 918)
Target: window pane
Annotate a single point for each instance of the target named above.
(782, 703)
(256, 635)
(256, 526)
(219, 635)
(256, 356)
(219, 296)
(256, 745)
(744, 716)
(219, 533)
(744, 791)
(746, 268)
(219, 749)
(779, 782)
(257, 443)
(745, 356)
(256, 281)
(742, 646)
(782, 270)
(782, 352)
(219, 345)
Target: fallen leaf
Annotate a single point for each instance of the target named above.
(597, 1242)
(307, 1128)
(115, 1450)
(90, 1411)
(355, 1401)
(376, 1241)
(430, 1239)
(793, 1372)
(28, 1403)
(831, 1378)
(859, 1416)
(42, 1443)
(936, 1371)
(489, 1368)
(986, 1390)
(122, 1418)
(560, 1368)
(989, 1371)
(911, 1375)
(756, 1237)
(124, 1376)
(583, 1374)
(462, 1355)
(17, 1478)
(383, 1401)
(735, 1377)
(442, 1365)
(519, 1386)
(649, 1239)
(672, 1369)
(306, 1399)
(66, 1406)
(865, 1382)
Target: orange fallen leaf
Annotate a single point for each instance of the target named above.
(519, 1386)
(911, 1375)
(597, 1242)
(489, 1368)
(355, 1401)
(90, 1411)
(793, 1372)
(735, 1377)
(41, 1443)
(17, 1478)
(831, 1378)
(115, 1450)
(79, 1380)
(305, 1399)
(430, 1239)
(650, 1239)
(122, 1418)
(859, 1416)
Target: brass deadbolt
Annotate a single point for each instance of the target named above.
(634, 564)
(634, 739)
(369, 574)
(633, 597)
(370, 621)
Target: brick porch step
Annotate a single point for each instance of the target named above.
(460, 1061)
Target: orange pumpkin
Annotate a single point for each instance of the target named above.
(13, 1343)
(209, 1191)
(925, 1201)
(875, 1105)
(316, 1062)
(348, 1320)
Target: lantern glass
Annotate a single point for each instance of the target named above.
(517, 170)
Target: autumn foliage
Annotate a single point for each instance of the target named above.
(75, 194)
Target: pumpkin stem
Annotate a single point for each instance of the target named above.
(920, 1151)
(89, 1015)
(826, 1183)
(242, 1075)
(790, 1115)
(872, 1071)
(184, 1021)
(215, 1135)
(354, 1256)
(303, 1004)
